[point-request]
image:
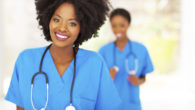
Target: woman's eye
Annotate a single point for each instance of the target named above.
(56, 20)
(113, 26)
(72, 24)
(122, 25)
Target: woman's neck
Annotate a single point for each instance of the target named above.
(121, 43)
(62, 55)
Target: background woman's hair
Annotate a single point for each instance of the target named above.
(122, 12)
(91, 14)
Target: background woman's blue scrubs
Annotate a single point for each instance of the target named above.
(93, 88)
(129, 93)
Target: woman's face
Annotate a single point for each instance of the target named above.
(120, 26)
(64, 27)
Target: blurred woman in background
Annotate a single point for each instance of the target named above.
(127, 60)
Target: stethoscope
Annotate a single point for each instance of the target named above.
(131, 53)
(70, 106)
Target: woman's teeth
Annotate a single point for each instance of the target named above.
(61, 36)
(118, 35)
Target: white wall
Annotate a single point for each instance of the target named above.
(187, 64)
(2, 51)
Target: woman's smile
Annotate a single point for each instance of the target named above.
(61, 36)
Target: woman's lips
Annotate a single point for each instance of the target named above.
(61, 36)
(118, 35)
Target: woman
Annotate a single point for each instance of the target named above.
(77, 78)
(128, 61)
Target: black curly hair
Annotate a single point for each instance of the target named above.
(91, 14)
(122, 12)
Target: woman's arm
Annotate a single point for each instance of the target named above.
(19, 108)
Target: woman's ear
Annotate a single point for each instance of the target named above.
(129, 26)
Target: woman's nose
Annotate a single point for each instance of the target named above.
(63, 27)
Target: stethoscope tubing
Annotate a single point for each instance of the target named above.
(47, 80)
(131, 72)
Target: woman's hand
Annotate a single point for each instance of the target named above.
(19, 108)
(136, 81)
(113, 72)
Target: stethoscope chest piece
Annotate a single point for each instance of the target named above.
(70, 107)
(116, 68)
(132, 72)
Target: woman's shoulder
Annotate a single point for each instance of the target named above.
(138, 45)
(107, 46)
(32, 52)
(89, 54)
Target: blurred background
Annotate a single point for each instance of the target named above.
(165, 27)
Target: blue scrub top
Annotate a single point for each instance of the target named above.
(93, 87)
(129, 93)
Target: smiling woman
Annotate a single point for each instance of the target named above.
(58, 77)
(64, 26)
